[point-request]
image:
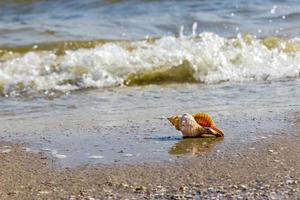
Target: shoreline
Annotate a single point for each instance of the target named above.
(264, 169)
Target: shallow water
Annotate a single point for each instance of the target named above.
(129, 125)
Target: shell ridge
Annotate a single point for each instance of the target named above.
(204, 119)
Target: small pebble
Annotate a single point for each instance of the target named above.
(44, 192)
(6, 151)
(27, 149)
(289, 182)
(244, 187)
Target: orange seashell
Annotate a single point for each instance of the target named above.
(206, 121)
(196, 125)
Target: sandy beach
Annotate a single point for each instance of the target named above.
(268, 169)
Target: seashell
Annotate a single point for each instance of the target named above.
(206, 121)
(189, 127)
(196, 125)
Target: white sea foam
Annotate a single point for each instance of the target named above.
(96, 157)
(128, 155)
(213, 58)
(60, 156)
(57, 155)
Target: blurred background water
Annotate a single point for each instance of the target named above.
(35, 21)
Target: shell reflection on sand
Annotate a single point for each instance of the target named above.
(194, 146)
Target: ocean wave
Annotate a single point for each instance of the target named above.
(205, 58)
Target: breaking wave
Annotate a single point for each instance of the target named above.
(205, 58)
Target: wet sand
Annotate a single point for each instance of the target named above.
(129, 125)
(266, 169)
